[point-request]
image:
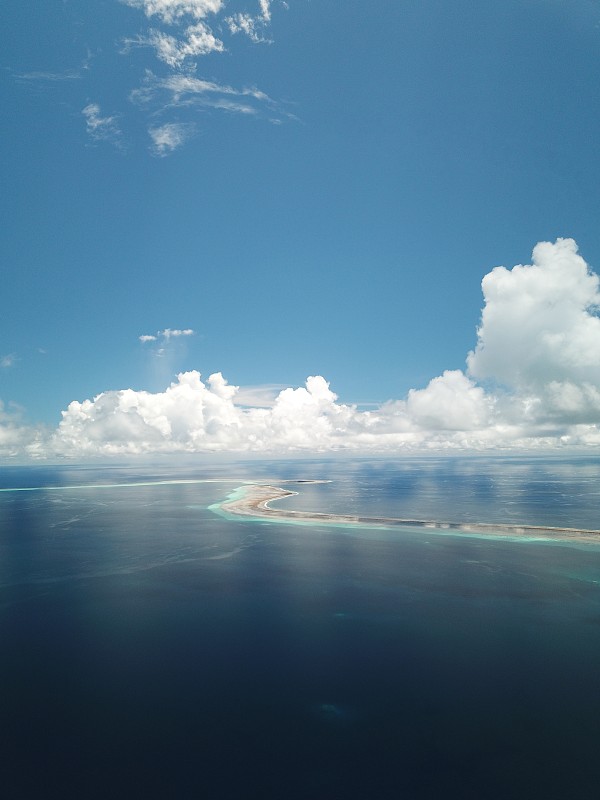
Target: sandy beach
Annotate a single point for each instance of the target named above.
(255, 500)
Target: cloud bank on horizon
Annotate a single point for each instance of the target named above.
(531, 382)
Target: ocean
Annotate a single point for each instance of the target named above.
(151, 646)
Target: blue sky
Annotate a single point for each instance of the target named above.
(314, 188)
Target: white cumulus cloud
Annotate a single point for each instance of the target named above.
(18, 439)
(451, 402)
(166, 334)
(191, 416)
(538, 345)
(540, 322)
(532, 382)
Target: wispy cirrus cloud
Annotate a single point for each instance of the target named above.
(168, 137)
(186, 85)
(189, 36)
(101, 128)
(184, 42)
(198, 40)
(51, 77)
(261, 396)
(47, 76)
(253, 26)
(162, 78)
(188, 92)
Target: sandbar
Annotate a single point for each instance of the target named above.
(252, 500)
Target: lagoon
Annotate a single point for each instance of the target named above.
(150, 645)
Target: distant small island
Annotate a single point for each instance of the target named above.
(255, 498)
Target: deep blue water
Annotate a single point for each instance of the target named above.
(149, 647)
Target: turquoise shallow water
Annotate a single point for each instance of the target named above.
(151, 646)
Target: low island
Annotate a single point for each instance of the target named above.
(253, 501)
